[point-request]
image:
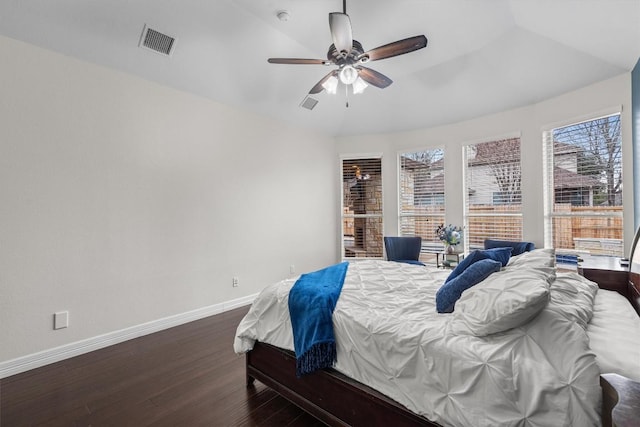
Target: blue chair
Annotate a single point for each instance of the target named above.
(403, 249)
(518, 247)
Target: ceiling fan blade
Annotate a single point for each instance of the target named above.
(340, 26)
(298, 61)
(318, 87)
(399, 47)
(374, 78)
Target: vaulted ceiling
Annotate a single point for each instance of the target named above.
(483, 56)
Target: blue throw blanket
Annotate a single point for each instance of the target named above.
(312, 300)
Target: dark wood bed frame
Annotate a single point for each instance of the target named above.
(338, 400)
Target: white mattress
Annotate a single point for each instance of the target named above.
(390, 337)
(614, 335)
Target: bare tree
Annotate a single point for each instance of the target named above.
(601, 148)
(503, 158)
(427, 156)
(425, 168)
(603, 137)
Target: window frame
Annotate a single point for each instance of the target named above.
(430, 243)
(468, 215)
(344, 216)
(549, 188)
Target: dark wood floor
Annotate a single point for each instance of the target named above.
(183, 376)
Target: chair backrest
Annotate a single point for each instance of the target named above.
(518, 247)
(403, 248)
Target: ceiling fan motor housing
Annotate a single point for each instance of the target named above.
(353, 57)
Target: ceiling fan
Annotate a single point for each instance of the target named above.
(348, 55)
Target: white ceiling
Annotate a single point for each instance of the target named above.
(483, 56)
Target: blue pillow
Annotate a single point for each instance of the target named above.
(451, 291)
(497, 254)
(518, 247)
(464, 264)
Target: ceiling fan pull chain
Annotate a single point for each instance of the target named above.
(346, 95)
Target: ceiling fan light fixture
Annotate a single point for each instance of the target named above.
(348, 75)
(359, 86)
(331, 85)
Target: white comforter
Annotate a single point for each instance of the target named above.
(390, 337)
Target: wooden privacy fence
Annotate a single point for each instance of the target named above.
(480, 227)
(491, 225)
(593, 233)
(598, 235)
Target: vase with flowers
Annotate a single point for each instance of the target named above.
(450, 235)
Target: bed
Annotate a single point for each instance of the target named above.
(394, 370)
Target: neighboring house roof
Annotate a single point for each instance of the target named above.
(434, 185)
(500, 151)
(563, 178)
(486, 154)
(411, 164)
(558, 147)
(564, 148)
(438, 164)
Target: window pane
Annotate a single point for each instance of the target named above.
(424, 226)
(494, 198)
(362, 208)
(366, 241)
(362, 186)
(493, 222)
(585, 188)
(422, 181)
(587, 164)
(422, 197)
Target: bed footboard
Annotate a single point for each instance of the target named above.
(327, 395)
(620, 401)
(338, 400)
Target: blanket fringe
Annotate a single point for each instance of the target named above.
(320, 355)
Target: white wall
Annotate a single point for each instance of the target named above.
(124, 201)
(528, 122)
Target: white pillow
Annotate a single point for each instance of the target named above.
(506, 299)
(534, 258)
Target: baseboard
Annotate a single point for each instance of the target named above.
(56, 354)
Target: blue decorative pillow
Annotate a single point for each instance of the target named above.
(498, 254)
(518, 247)
(464, 264)
(451, 291)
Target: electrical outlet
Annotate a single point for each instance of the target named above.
(61, 320)
(292, 269)
(235, 281)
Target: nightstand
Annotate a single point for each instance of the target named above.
(449, 260)
(606, 271)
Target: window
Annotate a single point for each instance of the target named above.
(422, 197)
(362, 208)
(583, 188)
(493, 208)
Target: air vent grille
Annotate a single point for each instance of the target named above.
(157, 41)
(308, 103)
